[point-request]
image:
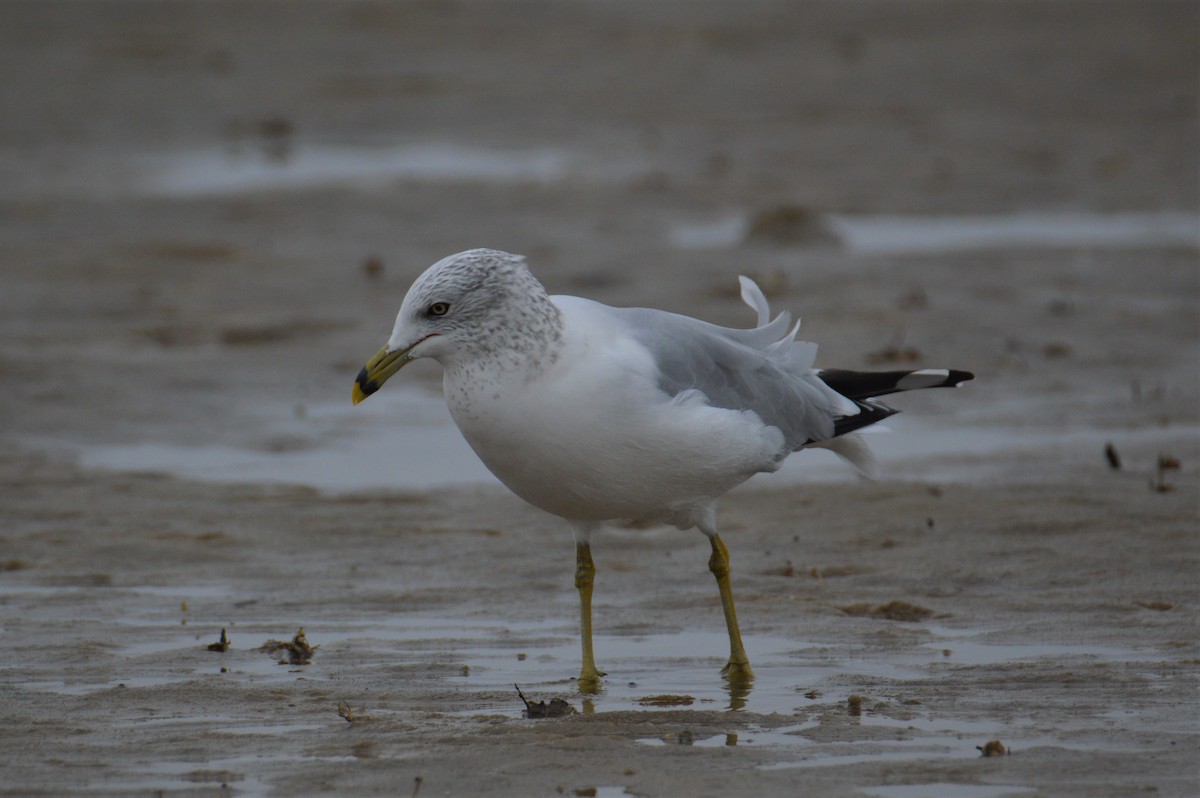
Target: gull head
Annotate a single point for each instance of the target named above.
(478, 305)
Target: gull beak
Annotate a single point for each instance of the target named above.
(378, 370)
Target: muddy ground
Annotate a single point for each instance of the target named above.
(209, 213)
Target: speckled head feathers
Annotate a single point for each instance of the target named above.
(481, 302)
(471, 270)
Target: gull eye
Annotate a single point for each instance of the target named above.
(439, 309)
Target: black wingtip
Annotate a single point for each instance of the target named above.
(862, 385)
(957, 378)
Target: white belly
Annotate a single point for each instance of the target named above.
(606, 443)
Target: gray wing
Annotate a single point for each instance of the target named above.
(737, 370)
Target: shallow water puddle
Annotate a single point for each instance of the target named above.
(87, 688)
(238, 774)
(684, 664)
(220, 174)
(195, 591)
(645, 671)
(272, 728)
(389, 443)
(543, 655)
(785, 737)
(934, 725)
(875, 752)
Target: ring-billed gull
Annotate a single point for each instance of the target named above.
(595, 413)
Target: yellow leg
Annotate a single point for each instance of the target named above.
(585, 576)
(738, 667)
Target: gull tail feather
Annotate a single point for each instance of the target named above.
(753, 296)
(854, 450)
(792, 355)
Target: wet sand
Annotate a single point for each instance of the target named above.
(196, 261)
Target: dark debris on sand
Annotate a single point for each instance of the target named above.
(540, 709)
(298, 650)
(222, 645)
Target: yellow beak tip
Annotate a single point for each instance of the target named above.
(358, 395)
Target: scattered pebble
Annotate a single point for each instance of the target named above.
(1110, 454)
(373, 266)
(993, 748)
(787, 570)
(895, 354)
(1166, 463)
